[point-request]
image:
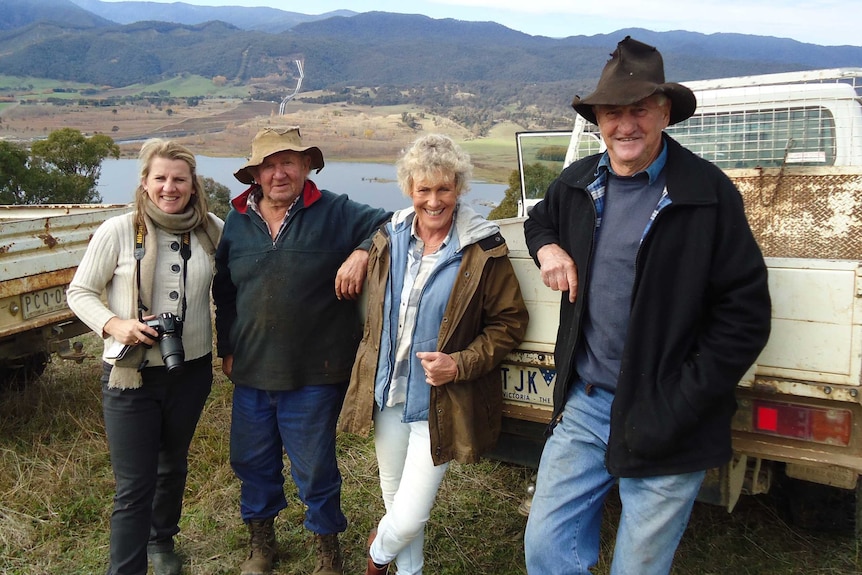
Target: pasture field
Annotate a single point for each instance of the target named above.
(56, 488)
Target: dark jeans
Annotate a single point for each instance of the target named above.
(301, 423)
(149, 431)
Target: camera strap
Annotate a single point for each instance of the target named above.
(185, 254)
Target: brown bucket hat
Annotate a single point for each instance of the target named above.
(269, 141)
(634, 72)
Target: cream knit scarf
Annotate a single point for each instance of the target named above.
(125, 373)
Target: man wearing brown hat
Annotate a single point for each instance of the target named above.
(664, 307)
(289, 268)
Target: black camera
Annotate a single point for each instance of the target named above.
(170, 328)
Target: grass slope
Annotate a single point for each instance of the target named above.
(56, 488)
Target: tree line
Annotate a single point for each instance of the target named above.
(65, 167)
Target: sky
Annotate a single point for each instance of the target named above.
(825, 22)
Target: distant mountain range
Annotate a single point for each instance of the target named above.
(123, 43)
(269, 20)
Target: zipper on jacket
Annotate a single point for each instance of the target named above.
(557, 414)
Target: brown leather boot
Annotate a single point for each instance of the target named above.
(262, 543)
(373, 568)
(329, 560)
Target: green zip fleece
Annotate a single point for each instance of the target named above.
(276, 310)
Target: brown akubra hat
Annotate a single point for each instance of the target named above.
(634, 72)
(269, 141)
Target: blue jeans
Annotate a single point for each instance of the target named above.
(562, 535)
(149, 431)
(301, 423)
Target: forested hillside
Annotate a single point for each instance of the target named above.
(374, 57)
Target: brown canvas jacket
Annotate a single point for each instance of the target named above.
(485, 318)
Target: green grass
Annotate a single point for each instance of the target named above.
(189, 85)
(37, 85)
(56, 488)
(184, 86)
(495, 155)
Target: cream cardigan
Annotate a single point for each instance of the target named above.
(109, 266)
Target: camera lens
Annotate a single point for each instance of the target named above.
(173, 354)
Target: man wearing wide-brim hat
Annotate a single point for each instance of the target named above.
(664, 306)
(289, 268)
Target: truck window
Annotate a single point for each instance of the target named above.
(541, 158)
(809, 118)
(767, 138)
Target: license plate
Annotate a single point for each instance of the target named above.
(528, 384)
(43, 301)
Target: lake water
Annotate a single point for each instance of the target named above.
(373, 184)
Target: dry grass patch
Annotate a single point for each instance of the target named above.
(56, 488)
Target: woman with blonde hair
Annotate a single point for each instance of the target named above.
(444, 309)
(155, 264)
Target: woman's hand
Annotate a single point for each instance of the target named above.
(131, 331)
(439, 367)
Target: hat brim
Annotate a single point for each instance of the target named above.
(245, 176)
(683, 100)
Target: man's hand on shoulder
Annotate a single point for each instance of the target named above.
(351, 275)
(559, 271)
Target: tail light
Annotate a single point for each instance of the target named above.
(829, 426)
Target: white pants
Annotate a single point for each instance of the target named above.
(409, 481)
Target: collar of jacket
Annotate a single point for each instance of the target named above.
(688, 176)
(310, 194)
(494, 245)
(470, 227)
